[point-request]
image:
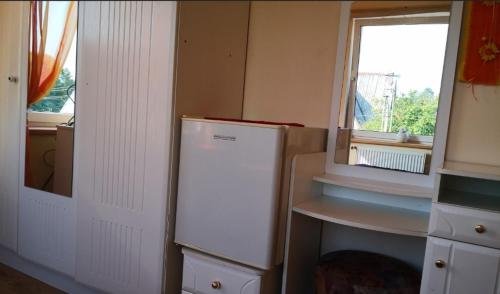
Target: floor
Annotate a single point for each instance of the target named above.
(14, 282)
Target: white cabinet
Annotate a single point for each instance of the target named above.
(125, 78)
(110, 234)
(458, 268)
(463, 249)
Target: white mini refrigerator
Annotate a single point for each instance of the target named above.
(233, 187)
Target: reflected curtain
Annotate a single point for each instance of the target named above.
(49, 44)
(52, 29)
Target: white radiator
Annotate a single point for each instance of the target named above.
(391, 159)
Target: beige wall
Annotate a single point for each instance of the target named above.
(290, 61)
(211, 54)
(474, 133)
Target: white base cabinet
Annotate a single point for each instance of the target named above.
(453, 267)
(204, 274)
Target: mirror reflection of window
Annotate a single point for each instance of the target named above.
(51, 96)
(396, 60)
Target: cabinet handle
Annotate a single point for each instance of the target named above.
(12, 79)
(480, 229)
(440, 263)
(216, 285)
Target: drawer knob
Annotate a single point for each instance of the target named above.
(216, 285)
(440, 263)
(480, 229)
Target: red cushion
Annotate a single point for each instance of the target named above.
(359, 272)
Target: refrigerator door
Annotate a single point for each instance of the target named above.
(228, 194)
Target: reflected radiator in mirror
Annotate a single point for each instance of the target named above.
(394, 159)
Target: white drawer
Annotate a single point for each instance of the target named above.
(465, 224)
(206, 275)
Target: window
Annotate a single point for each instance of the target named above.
(391, 92)
(396, 74)
(58, 106)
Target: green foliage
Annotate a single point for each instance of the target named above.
(375, 122)
(54, 101)
(415, 111)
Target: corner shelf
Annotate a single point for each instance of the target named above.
(375, 186)
(470, 185)
(471, 170)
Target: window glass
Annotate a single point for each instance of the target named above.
(399, 77)
(392, 87)
(61, 98)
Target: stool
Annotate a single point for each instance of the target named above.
(360, 272)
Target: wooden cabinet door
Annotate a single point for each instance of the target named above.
(458, 268)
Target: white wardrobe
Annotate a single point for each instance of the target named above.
(110, 235)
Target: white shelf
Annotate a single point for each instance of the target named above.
(469, 199)
(479, 171)
(375, 186)
(366, 215)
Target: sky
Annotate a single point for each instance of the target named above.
(415, 52)
(57, 16)
(70, 63)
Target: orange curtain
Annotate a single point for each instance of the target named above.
(44, 66)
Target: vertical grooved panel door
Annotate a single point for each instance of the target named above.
(124, 114)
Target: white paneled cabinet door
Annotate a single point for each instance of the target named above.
(10, 120)
(458, 268)
(124, 113)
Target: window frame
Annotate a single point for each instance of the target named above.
(36, 118)
(356, 24)
(444, 108)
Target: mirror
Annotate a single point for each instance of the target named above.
(50, 111)
(390, 95)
